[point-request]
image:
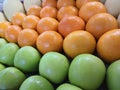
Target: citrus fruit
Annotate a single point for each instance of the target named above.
(52, 3)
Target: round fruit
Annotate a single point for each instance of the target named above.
(27, 59)
(11, 78)
(2, 66)
(36, 82)
(49, 41)
(2, 42)
(113, 76)
(52, 3)
(79, 42)
(70, 24)
(108, 46)
(101, 23)
(54, 66)
(86, 68)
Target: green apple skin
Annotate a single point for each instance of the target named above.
(113, 76)
(8, 52)
(2, 42)
(67, 86)
(54, 66)
(36, 82)
(27, 59)
(2, 66)
(87, 71)
(11, 78)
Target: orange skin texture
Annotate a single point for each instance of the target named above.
(52, 3)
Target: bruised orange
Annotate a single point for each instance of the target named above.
(30, 21)
(91, 8)
(101, 23)
(49, 41)
(70, 24)
(47, 24)
(79, 42)
(67, 11)
(11, 34)
(34, 10)
(3, 27)
(108, 46)
(62, 3)
(79, 3)
(27, 37)
(17, 18)
(48, 11)
(52, 3)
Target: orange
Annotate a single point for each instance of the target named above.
(79, 42)
(101, 23)
(91, 8)
(61, 3)
(27, 37)
(3, 27)
(52, 3)
(12, 33)
(34, 10)
(108, 46)
(48, 11)
(70, 24)
(46, 24)
(67, 11)
(17, 18)
(30, 21)
(49, 41)
(79, 3)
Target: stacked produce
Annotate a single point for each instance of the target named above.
(60, 45)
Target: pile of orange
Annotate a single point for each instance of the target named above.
(67, 26)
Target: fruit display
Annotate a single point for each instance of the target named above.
(59, 45)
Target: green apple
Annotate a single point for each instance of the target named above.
(27, 59)
(67, 86)
(7, 53)
(54, 66)
(87, 71)
(36, 82)
(2, 66)
(2, 42)
(113, 76)
(11, 78)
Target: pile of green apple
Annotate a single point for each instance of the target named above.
(26, 69)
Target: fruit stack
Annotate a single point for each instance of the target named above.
(59, 45)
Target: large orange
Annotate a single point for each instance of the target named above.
(49, 41)
(34, 10)
(108, 46)
(67, 11)
(69, 24)
(3, 27)
(30, 21)
(91, 8)
(52, 3)
(27, 37)
(79, 3)
(17, 18)
(79, 42)
(101, 23)
(46, 24)
(12, 33)
(48, 11)
(62, 3)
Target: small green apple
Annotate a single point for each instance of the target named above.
(27, 59)
(67, 86)
(11, 78)
(2, 66)
(36, 82)
(113, 76)
(87, 71)
(2, 42)
(54, 66)
(7, 53)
